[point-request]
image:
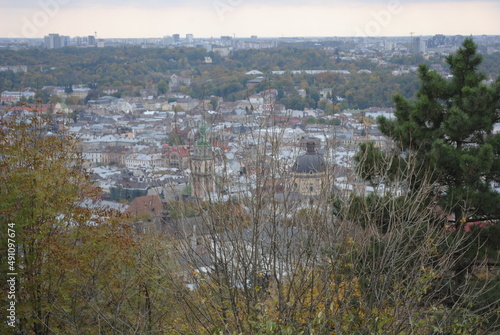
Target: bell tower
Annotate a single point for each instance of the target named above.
(309, 171)
(202, 165)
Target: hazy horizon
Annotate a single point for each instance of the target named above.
(183, 36)
(244, 18)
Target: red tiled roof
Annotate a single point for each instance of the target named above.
(182, 150)
(146, 205)
(29, 109)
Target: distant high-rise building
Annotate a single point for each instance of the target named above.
(91, 40)
(167, 40)
(176, 38)
(55, 41)
(419, 45)
(423, 46)
(226, 40)
(189, 38)
(49, 41)
(65, 41)
(436, 41)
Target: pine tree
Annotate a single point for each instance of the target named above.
(449, 127)
(445, 138)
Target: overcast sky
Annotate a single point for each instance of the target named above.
(243, 18)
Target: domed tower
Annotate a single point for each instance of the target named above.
(202, 165)
(308, 172)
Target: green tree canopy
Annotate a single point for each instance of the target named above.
(74, 259)
(449, 127)
(445, 146)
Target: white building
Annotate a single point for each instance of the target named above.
(138, 160)
(93, 156)
(10, 96)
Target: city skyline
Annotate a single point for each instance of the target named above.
(244, 18)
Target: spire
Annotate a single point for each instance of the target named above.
(203, 131)
(202, 142)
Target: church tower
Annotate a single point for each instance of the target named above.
(309, 172)
(202, 165)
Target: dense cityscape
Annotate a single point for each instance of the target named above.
(126, 139)
(255, 185)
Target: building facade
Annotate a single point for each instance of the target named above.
(202, 166)
(309, 174)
